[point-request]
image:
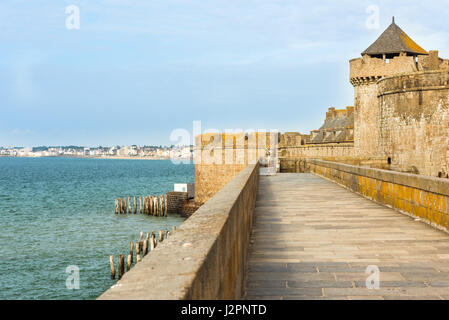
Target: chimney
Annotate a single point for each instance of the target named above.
(434, 63)
(349, 111)
(330, 114)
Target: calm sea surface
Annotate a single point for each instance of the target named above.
(59, 212)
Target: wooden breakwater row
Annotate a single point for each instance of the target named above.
(150, 205)
(142, 247)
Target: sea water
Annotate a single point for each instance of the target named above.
(57, 213)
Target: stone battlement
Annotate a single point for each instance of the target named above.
(367, 69)
(416, 81)
(221, 156)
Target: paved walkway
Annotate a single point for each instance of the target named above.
(313, 239)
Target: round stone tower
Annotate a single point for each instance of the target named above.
(392, 53)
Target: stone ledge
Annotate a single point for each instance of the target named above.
(430, 184)
(206, 256)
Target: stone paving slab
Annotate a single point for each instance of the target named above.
(313, 239)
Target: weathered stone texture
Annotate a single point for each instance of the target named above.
(415, 122)
(426, 198)
(209, 179)
(175, 201)
(333, 150)
(362, 69)
(220, 157)
(366, 121)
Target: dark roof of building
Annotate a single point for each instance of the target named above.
(338, 122)
(334, 130)
(393, 41)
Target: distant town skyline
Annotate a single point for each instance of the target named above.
(131, 151)
(135, 71)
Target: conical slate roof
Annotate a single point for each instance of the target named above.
(394, 41)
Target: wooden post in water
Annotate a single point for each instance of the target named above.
(153, 211)
(129, 205)
(131, 253)
(161, 235)
(128, 265)
(166, 204)
(159, 199)
(140, 202)
(121, 266)
(152, 241)
(161, 206)
(141, 240)
(115, 205)
(111, 262)
(154, 206)
(147, 204)
(135, 205)
(120, 205)
(137, 252)
(145, 248)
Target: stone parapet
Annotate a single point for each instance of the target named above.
(205, 258)
(422, 197)
(369, 69)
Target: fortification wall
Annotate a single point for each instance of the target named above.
(221, 156)
(422, 197)
(366, 120)
(209, 179)
(294, 158)
(415, 122)
(328, 150)
(205, 258)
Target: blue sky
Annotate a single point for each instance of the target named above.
(136, 70)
